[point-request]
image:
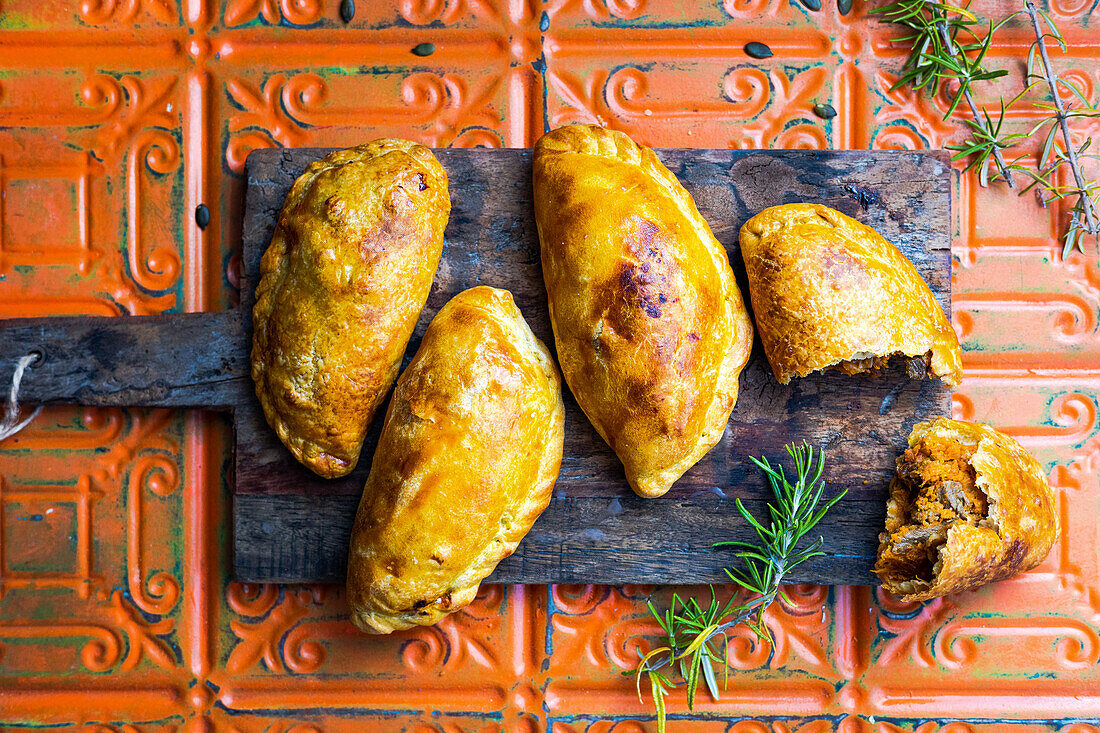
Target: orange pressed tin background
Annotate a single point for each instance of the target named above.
(119, 118)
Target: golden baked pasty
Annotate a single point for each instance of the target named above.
(830, 292)
(967, 506)
(651, 330)
(466, 462)
(342, 285)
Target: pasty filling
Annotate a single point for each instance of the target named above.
(934, 488)
(917, 367)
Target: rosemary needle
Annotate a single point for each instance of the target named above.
(691, 630)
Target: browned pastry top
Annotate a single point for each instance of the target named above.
(650, 327)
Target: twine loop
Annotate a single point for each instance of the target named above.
(11, 425)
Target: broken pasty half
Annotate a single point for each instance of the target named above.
(967, 506)
(650, 327)
(469, 453)
(342, 284)
(830, 292)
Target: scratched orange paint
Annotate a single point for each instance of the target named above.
(119, 117)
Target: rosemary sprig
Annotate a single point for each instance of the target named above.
(691, 631)
(947, 47)
(1085, 192)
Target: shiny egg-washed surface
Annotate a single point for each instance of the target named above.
(119, 118)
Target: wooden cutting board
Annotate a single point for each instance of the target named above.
(290, 526)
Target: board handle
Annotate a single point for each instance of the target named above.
(171, 360)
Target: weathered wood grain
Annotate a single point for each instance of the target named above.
(611, 539)
(172, 360)
(293, 526)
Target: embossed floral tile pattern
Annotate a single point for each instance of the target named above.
(118, 118)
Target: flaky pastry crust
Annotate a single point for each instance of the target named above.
(650, 327)
(1007, 527)
(342, 284)
(468, 456)
(829, 291)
